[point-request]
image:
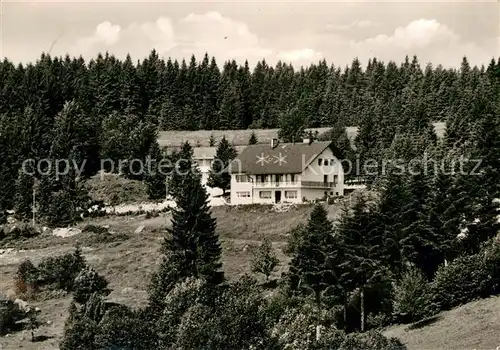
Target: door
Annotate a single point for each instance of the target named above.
(325, 179)
(277, 196)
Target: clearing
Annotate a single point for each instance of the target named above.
(475, 325)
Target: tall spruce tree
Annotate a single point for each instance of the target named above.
(218, 177)
(192, 248)
(365, 253)
(312, 269)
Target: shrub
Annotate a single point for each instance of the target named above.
(412, 297)
(297, 327)
(60, 272)
(122, 328)
(264, 260)
(26, 279)
(20, 231)
(95, 229)
(10, 313)
(463, 280)
(370, 340)
(88, 282)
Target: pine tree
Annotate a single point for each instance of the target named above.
(24, 196)
(218, 177)
(311, 271)
(192, 248)
(253, 139)
(365, 251)
(292, 125)
(182, 163)
(155, 177)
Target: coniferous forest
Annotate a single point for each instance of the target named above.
(418, 243)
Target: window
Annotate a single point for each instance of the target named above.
(265, 194)
(325, 178)
(243, 194)
(332, 161)
(326, 162)
(320, 161)
(290, 194)
(241, 178)
(292, 178)
(261, 178)
(335, 178)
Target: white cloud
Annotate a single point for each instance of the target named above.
(196, 34)
(416, 34)
(300, 56)
(361, 24)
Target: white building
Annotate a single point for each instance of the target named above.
(203, 157)
(286, 172)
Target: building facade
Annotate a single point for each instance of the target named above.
(286, 173)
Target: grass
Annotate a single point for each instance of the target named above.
(128, 263)
(475, 325)
(112, 188)
(236, 137)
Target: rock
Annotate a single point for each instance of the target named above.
(127, 290)
(66, 232)
(44, 229)
(23, 305)
(245, 248)
(49, 322)
(11, 220)
(139, 229)
(106, 226)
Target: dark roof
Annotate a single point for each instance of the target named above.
(263, 159)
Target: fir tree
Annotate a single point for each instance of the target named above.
(292, 125)
(218, 177)
(253, 139)
(365, 251)
(155, 178)
(192, 248)
(312, 271)
(24, 196)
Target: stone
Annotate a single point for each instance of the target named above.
(139, 229)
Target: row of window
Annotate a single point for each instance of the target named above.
(264, 178)
(267, 194)
(322, 161)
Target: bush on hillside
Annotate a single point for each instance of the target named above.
(95, 229)
(10, 313)
(87, 283)
(463, 280)
(370, 340)
(18, 231)
(412, 297)
(57, 272)
(264, 259)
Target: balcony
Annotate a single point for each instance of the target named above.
(318, 184)
(274, 184)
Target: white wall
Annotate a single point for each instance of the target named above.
(315, 172)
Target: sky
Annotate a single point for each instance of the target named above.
(295, 32)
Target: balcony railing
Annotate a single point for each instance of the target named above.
(318, 184)
(277, 184)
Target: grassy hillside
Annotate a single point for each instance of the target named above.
(236, 137)
(475, 325)
(128, 261)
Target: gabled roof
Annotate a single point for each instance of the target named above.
(263, 159)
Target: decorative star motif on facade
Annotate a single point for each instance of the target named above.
(262, 159)
(280, 159)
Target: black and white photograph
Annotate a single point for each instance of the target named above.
(282, 175)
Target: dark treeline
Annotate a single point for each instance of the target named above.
(66, 108)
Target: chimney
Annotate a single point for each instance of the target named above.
(274, 143)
